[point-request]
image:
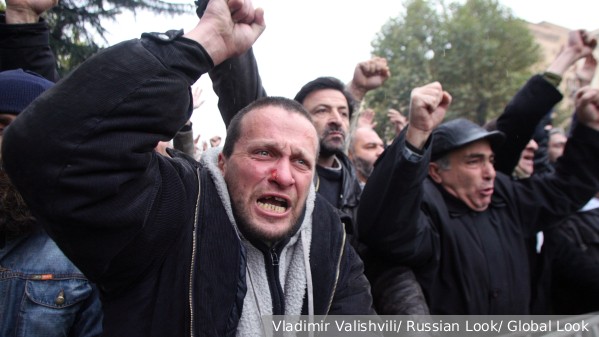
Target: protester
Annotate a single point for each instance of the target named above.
(459, 229)
(365, 146)
(331, 107)
(180, 248)
(43, 293)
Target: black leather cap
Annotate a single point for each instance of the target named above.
(459, 132)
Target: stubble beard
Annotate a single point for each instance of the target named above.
(327, 149)
(253, 231)
(363, 167)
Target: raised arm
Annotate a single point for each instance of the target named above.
(389, 216)
(535, 100)
(90, 170)
(368, 75)
(576, 177)
(236, 81)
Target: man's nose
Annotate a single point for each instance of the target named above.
(489, 170)
(282, 174)
(533, 145)
(336, 117)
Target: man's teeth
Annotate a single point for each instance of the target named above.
(273, 204)
(271, 207)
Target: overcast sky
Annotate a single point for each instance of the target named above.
(305, 39)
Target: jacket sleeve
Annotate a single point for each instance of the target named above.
(27, 46)
(352, 294)
(521, 117)
(390, 220)
(541, 158)
(237, 83)
(545, 199)
(82, 154)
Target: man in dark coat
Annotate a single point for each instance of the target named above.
(436, 203)
(180, 248)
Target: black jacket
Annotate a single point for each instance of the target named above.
(571, 255)
(151, 231)
(347, 202)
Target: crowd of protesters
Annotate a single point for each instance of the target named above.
(113, 224)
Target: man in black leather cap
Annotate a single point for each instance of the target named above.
(436, 203)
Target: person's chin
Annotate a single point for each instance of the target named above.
(273, 234)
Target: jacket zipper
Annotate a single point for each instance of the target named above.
(274, 285)
(337, 271)
(193, 256)
(274, 257)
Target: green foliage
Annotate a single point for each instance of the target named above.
(76, 29)
(477, 50)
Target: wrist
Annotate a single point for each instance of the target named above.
(357, 92)
(16, 16)
(563, 61)
(552, 78)
(416, 138)
(214, 47)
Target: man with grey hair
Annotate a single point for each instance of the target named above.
(436, 203)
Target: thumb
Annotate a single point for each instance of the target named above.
(259, 23)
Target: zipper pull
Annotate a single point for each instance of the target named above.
(274, 257)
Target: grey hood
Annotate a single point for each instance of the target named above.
(294, 263)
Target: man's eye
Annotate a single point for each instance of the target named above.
(262, 153)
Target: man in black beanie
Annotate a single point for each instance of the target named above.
(18, 88)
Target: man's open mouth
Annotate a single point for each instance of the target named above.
(273, 204)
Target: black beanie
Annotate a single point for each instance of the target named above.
(18, 88)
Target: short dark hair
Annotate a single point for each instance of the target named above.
(234, 129)
(326, 83)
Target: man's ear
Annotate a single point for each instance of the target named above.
(221, 163)
(434, 172)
